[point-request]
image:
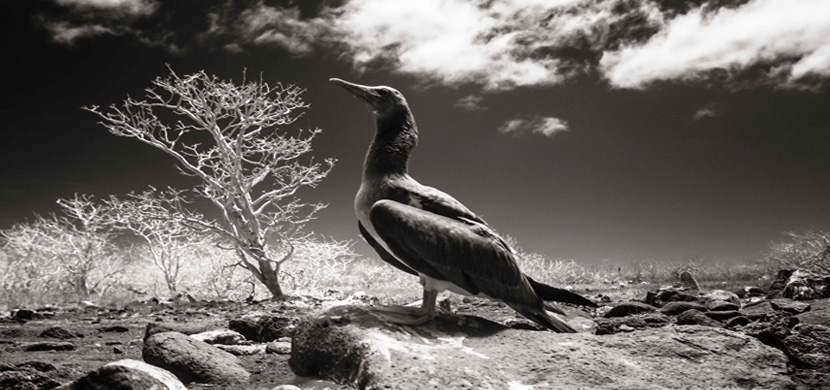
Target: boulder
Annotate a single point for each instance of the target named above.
(688, 282)
(723, 315)
(669, 294)
(677, 307)
(696, 317)
(470, 352)
(192, 360)
(243, 350)
(262, 327)
(628, 308)
(127, 374)
(809, 345)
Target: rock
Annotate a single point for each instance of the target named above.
(57, 332)
(262, 328)
(772, 331)
(192, 360)
(718, 305)
(628, 308)
(723, 315)
(722, 295)
(677, 307)
(637, 321)
(669, 294)
(286, 387)
(688, 282)
(36, 366)
(242, 350)
(735, 322)
(695, 317)
(758, 311)
(221, 336)
(818, 314)
(26, 315)
(800, 284)
(750, 291)
(114, 328)
(450, 353)
(26, 380)
(788, 305)
(127, 374)
(809, 345)
(188, 329)
(278, 347)
(49, 346)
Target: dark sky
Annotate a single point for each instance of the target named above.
(589, 130)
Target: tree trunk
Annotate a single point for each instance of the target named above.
(270, 278)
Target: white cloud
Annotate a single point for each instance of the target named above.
(133, 7)
(66, 33)
(733, 40)
(708, 111)
(497, 44)
(545, 125)
(471, 103)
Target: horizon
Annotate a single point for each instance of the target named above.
(585, 130)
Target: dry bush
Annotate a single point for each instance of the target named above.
(809, 251)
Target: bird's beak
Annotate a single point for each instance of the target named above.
(369, 95)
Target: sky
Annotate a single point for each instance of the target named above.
(594, 130)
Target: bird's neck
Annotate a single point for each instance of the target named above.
(395, 138)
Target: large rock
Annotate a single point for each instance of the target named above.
(809, 345)
(677, 307)
(127, 374)
(192, 360)
(818, 314)
(350, 345)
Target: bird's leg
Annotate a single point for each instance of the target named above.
(408, 315)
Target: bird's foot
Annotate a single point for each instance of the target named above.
(404, 315)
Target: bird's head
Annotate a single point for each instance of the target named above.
(383, 100)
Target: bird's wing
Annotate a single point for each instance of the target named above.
(465, 252)
(430, 199)
(386, 256)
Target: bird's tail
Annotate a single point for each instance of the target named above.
(548, 293)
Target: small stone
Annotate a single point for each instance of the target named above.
(722, 295)
(677, 307)
(687, 281)
(117, 350)
(221, 336)
(286, 387)
(115, 328)
(278, 347)
(736, 321)
(242, 350)
(625, 328)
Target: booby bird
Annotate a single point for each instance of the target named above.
(428, 233)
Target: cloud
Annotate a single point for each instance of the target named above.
(131, 7)
(710, 110)
(545, 125)
(794, 35)
(471, 103)
(66, 33)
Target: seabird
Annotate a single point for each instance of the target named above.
(428, 233)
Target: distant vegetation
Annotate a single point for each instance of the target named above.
(154, 244)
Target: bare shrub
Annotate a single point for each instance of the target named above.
(809, 251)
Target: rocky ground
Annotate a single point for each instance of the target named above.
(675, 337)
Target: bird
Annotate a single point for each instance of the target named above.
(428, 233)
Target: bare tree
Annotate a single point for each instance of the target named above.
(167, 240)
(230, 138)
(809, 250)
(76, 245)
